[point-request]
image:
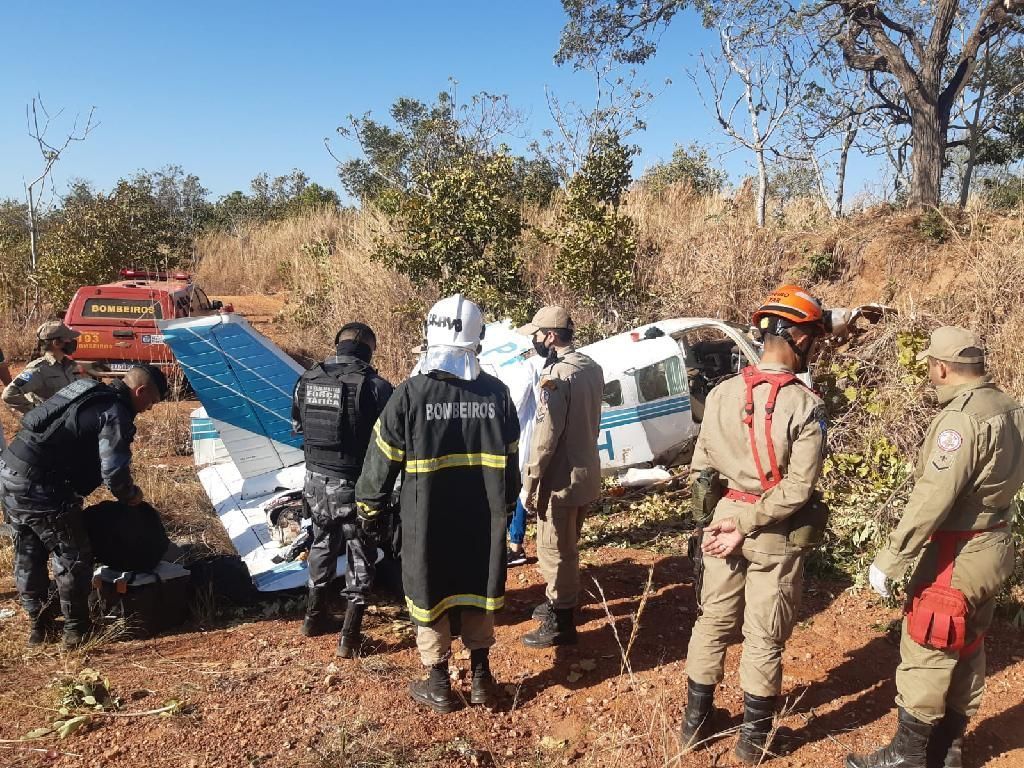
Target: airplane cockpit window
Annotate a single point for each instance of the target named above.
(612, 397)
(663, 379)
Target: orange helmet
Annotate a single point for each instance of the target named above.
(792, 304)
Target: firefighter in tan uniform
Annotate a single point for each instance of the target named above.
(766, 521)
(46, 375)
(563, 474)
(969, 469)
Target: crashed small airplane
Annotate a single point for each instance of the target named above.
(657, 377)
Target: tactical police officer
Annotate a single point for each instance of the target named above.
(46, 374)
(453, 430)
(563, 473)
(763, 434)
(335, 406)
(77, 440)
(967, 473)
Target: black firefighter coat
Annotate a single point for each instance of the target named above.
(457, 443)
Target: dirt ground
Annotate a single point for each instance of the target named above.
(251, 692)
(255, 693)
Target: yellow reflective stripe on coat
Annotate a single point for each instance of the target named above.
(452, 460)
(390, 452)
(365, 510)
(453, 601)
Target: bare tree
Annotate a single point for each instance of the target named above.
(985, 124)
(758, 81)
(917, 66)
(619, 101)
(39, 121)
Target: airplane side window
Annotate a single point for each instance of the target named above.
(675, 376)
(612, 397)
(663, 379)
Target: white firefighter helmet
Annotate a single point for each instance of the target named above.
(454, 328)
(454, 322)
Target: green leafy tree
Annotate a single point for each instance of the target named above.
(181, 196)
(691, 166)
(462, 235)
(596, 241)
(270, 199)
(454, 198)
(790, 179)
(15, 256)
(93, 238)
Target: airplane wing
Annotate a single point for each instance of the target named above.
(243, 434)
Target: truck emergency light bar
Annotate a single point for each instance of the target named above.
(143, 274)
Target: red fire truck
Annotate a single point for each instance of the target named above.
(118, 320)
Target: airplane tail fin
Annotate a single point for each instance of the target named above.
(245, 383)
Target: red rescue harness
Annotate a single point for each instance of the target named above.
(937, 613)
(752, 378)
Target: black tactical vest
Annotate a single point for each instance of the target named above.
(48, 449)
(338, 412)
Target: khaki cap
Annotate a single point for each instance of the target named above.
(949, 343)
(55, 329)
(547, 317)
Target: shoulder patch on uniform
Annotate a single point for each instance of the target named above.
(549, 384)
(949, 440)
(23, 378)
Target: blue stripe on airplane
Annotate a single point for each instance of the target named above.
(634, 415)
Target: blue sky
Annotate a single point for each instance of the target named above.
(231, 89)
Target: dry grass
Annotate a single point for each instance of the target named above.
(323, 262)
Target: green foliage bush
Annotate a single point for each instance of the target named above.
(462, 232)
(596, 241)
(94, 236)
(691, 166)
(15, 262)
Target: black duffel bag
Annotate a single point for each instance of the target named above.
(126, 538)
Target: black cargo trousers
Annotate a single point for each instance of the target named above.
(48, 521)
(336, 528)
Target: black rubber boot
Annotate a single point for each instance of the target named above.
(945, 747)
(76, 634)
(436, 691)
(697, 718)
(908, 748)
(351, 631)
(42, 622)
(758, 718)
(541, 611)
(484, 690)
(557, 628)
(43, 619)
(318, 619)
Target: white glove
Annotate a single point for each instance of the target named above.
(877, 579)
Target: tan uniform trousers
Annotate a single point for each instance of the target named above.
(930, 681)
(760, 591)
(558, 553)
(435, 642)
